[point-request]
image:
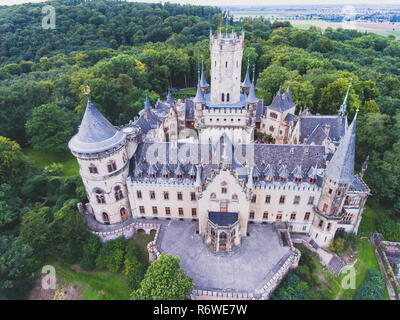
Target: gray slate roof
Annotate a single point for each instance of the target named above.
(310, 122)
(246, 82)
(317, 136)
(223, 219)
(282, 103)
(341, 166)
(96, 133)
(189, 110)
(199, 98)
(203, 82)
(251, 98)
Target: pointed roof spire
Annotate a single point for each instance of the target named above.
(297, 172)
(283, 172)
(313, 172)
(343, 107)
(179, 169)
(251, 98)
(169, 97)
(249, 184)
(198, 175)
(95, 133)
(192, 170)
(341, 167)
(147, 103)
(165, 170)
(203, 82)
(138, 169)
(199, 98)
(269, 173)
(246, 82)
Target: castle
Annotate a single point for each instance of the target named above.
(198, 159)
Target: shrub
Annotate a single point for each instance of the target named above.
(111, 255)
(373, 288)
(90, 252)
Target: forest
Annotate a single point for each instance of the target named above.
(125, 51)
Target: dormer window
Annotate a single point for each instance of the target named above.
(312, 180)
(192, 177)
(298, 179)
(179, 176)
(93, 168)
(167, 176)
(111, 166)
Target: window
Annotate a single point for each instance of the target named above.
(254, 199)
(224, 190)
(325, 209)
(234, 196)
(212, 196)
(167, 211)
(194, 212)
(348, 217)
(307, 216)
(227, 97)
(330, 191)
(273, 115)
(166, 195)
(271, 128)
(265, 215)
(152, 195)
(139, 194)
(333, 210)
(282, 199)
(267, 199)
(111, 166)
(293, 216)
(193, 196)
(179, 195)
(296, 200)
(304, 228)
(226, 64)
(100, 196)
(311, 200)
(106, 219)
(123, 213)
(251, 216)
(339, 193)
(155, 211)
(328, 226)
(320, 224)
(223, 99)
(118, 193)
(93, 168)
(223, 206)
(141, 210)
(180, 211)
(279, 217)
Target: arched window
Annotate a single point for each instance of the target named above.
(213, 196)
(227, 97)
(123, 213)
(111, 166)
(106, 219)
(226, 64)
(234, 196)
(271, 128)
(100, 196)
(118, 193)
(93, 168)
(223, 97)
(273, 115)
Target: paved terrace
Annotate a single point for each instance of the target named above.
(245, 270)
(258, 258)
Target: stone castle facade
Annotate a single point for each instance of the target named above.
(197, 159)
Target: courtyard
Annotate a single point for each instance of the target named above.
(244, 271)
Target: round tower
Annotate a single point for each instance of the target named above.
(103, 154)
(226, 64)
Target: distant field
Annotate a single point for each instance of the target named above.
(41, 159)
(384, 28)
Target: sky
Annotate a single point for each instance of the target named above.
(252, 2)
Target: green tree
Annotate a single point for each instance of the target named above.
(9, 206)
(271, 79)
(90, 252)
(134, 270)
(13, 163)
(164, 280)
(51, 127)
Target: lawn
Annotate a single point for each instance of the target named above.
(93, 285)
(141, 240)
(368, 223)
(366, 260)
(41, 159)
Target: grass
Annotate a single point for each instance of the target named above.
(368, 222)
(141, 240)
(89, 284)
(366, 260)
(40, 159)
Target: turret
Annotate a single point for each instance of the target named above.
(339, 174)
(101, 151)
(246, 84)
(203, 83)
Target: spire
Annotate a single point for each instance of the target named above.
(269, 173)
(198, 175)
(246, 82)
(364, 167)
(250, 179)
(199, 98)
(169, 97)
(343, 107)
(147, 103)
(341, 167)
(251, 98)
(203, 82)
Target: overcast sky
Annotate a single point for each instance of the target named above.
(252, 2)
